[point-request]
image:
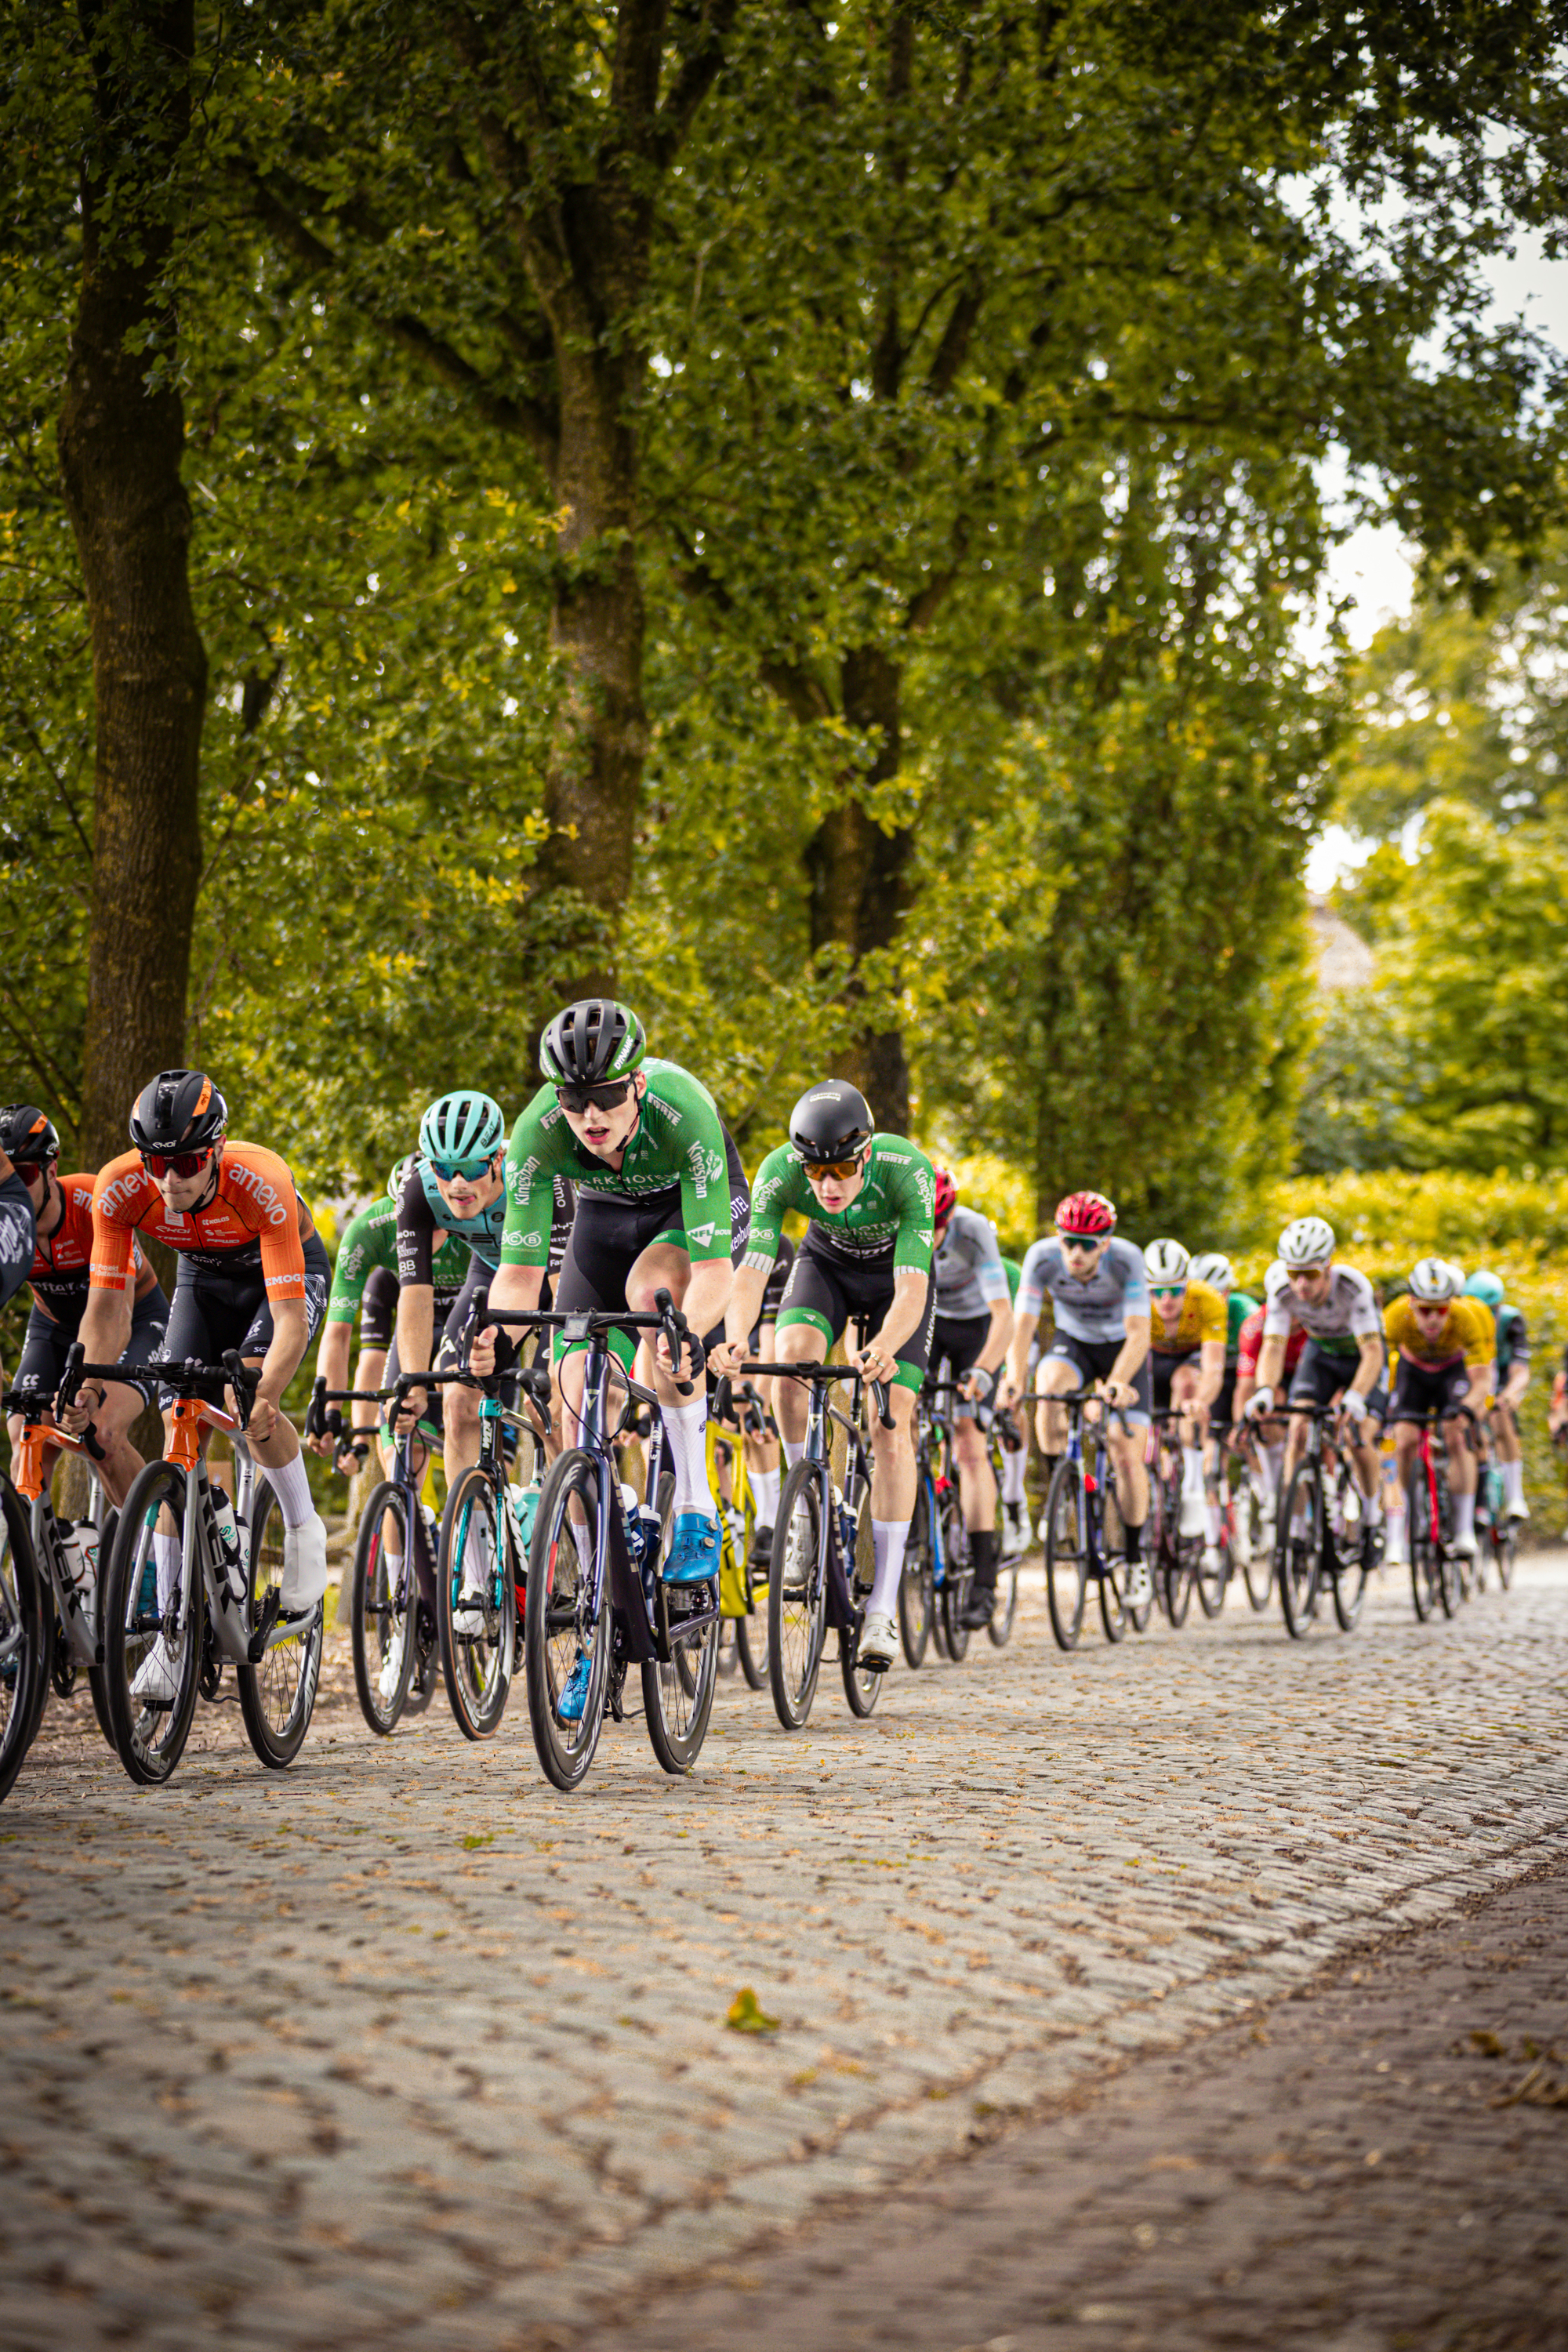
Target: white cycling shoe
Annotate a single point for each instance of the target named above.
(1464, 1546)
(468, 1611)
(1015, 1528)
(1518, 1511)
(305, 1572)
(878, 1640)
(1396, 1546)
(156, 1683)
(1139, 1589)
(391, 1674)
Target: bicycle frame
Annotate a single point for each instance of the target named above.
(75, 1609)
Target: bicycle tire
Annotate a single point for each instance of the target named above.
(1180, 1577)
(797, 1597)
(1256, 1556)
(752, 1649)
(1066, 1553)
(276, 1704)
(383, 1611)
(477, 1670)
(556, 1621)
(21, 1636)
(1298, 1545)
(1211, 1584)
(1422, 1549)
(149, 1760)
(678, 1697)
(916, 1586)
(1505, 1551)
(862, 1687)
(959, 1578)
(1349, 1570)
(999, 1624)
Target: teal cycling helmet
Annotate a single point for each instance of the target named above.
(592, 1044)
(1486, 1287)
(462, 1128)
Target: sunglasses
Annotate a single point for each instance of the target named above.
(1431, 1306)
(176, 1163)
(450, 1170)
(1164, 1289)
(27, 1170)
(1085, 1242)
(840, 1170)
(605, 1097)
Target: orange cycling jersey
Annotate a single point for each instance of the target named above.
(1467, 1330)
(59, 1270)
(1202, 1316)
(255, 1218)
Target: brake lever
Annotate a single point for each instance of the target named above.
(676, 1331)
(880, 1399)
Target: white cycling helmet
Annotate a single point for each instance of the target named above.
(1434, 1281)
(1214, 1267)
(1166, 1262)
(1307, 1241)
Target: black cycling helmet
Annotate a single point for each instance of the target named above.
(27, 1136)
(592, 1044)
(832, 1121)
(179, 1110)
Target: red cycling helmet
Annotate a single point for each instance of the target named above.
(946, 1197)
(1086, 1213)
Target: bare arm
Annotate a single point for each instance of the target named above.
(1025, 1326)
(1211, 1371)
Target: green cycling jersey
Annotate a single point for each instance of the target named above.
(1237, 1307)
(678, 1141)
(369, 1240)
(1015, 1274)
(890, 1219)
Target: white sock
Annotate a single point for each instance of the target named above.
(792, 1452)
(292, 1489)
(1396, 1516)
(1013, 1466)
(765, 1485)
(888, 1538)
(1372, 1509)
(1464, 1515)
(166, 1558)
(1192, 1469)
(1512, 1482)
(1272, 1467)
(1210, 1517)
(685, 1449)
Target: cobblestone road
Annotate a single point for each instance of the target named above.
(402, 2045)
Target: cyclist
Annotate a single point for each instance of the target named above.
(57, 1276)
(762, 1453)
(869, 1200)
(17, 1232)
(1187, 1320)
(1015, 1446)
(253, 1276)
(973, 1324)
(365, 1288)
(662, 1204)
(1215, 1268)
(1446, 1343)
(1342, 1361)
(1513, 1377)
(1269, 1460)
(1099, 1302)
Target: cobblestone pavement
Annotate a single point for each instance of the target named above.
(400, 2045)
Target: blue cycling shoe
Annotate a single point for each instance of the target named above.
(573, 1703)
(693, 1555)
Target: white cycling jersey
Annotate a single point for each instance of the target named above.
(1346, 1313)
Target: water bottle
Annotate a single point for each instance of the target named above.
(524, 1502)
(228, 1543)
(79, 1545)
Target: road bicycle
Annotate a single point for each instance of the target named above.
(1246, 1534)
(824, 1551)
(1324, 1535)
(1085, 1540)
(23, 1674)
(740, 1569)
(392, 1588)
(483, 1551)
(1437, 1574)
(217, 1600)
(1497, 1533)
(67, 1558)
(596, 1603)
(934, 1589)
(1173, 1557)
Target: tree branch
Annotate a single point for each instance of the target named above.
(46, 1065)
(700, 69)
(804, 697)
(957, 336)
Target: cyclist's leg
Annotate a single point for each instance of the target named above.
(1407, 1403)
(1184, 1390)
(1462, 1468)
(893, 1475)
(1128, 1446)
(812, 1316)
(279, 1456)
(763, 1454)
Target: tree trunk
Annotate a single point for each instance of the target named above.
(121, 441)
(859, 884)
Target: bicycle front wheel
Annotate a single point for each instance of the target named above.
(1348, 1559)
(566, 1639)
(797, 1597)
(476, 1605)
(381, 1610)
(21, 1637)
(151, 1653)
(954, 1598)
(277, 1696)
(916, 1586)
(1257, 1550)
(862, 1687)
(1299, 1546)
(1066, 1554)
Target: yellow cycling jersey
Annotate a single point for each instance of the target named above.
(1467, 1330)
(1202, 1316)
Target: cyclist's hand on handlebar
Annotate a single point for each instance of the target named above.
(1009, 1388)
(482, 1351)
(876, 1359)
(976, 1385)
(263, 1422)
(1118, 1392)
(727, 1356)
(411, 1411)
(1352, 1405)
(1259, 1404)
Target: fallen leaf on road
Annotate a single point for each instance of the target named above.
(743, 2016)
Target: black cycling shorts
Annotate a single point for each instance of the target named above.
(46, 1344)
(1095, 1360)
(958, 1342)
(1222, 1412)
(1320, 1376)
(826, 1290)
(214, 1312)
(1423, 1389)
(609, 1235)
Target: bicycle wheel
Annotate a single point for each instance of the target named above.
(916, 1586)
(382, 1615)
(1348, 1561)
(1505, 1549)
(477, 1657)
(1257, 1550)
(21, 1637)
(862, 1687)
(1297, 1547)
(678, 1697)
(954, 1598)
(277, 1696)
(562, 1626)
(151, 1730)
(1000, 1627)
(97, 1683)
(1067, 1552)
(797, 1597)
(751, 1644)
(1181, 1573)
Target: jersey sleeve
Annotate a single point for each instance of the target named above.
(1213, 1321)
(704, 1175)
(778, 1280)
(1481, 1335)
(17, 1236)
(117, 1201)
(1135, 1287)
(989, 1271)
(915, 1195)
(779, 1186)
(350, 1270)
(415, 1232)
(1032, 1280)
(531, 1166)
(1278, 1319)
(270, 1186)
